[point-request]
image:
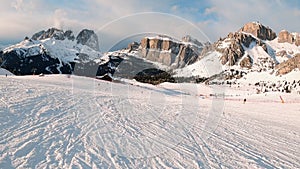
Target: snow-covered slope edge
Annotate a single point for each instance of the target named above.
(5, 72)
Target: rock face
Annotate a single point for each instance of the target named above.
(259, 30)
(285, 36)
(246, 62)
(69, 35)
(168, 51)
(53, 33)
(232, 48)
(289, 65)
(88, 38)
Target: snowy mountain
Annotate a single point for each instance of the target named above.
(51, 51)
(254, 48)
(228, 121)
(160, 53)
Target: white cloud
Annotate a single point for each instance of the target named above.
(59, 17)
(24, 17)
(25, 6)
(17, 4)
(21, 18)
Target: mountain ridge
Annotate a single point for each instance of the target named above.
(252, 48)
(51, 51)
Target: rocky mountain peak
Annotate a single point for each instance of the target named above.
(258, 30)
(89, 38)
(233, 48)
(69, 35)
(53, 33)
(285, 36)
(253, 48)
(50, 33)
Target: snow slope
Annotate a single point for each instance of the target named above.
(5, 72)
(291, 49)
(77, 122)
(206, 67)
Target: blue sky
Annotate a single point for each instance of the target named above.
(215, 18)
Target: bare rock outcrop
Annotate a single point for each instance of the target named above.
(234, 50)
(168, 51)
(285, 36)
(50, 33)
(89, 38)
(258, 30)
(288, 66)
(246, 62)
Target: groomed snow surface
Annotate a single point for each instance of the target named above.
(75, 122)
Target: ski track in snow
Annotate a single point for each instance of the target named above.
(60, 122)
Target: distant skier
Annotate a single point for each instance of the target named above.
(245, 100)
(5, 75)
(282, 101)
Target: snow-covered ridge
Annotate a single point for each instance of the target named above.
(64, 50)
(52, 51)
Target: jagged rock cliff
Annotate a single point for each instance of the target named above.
(168, 51)
(252, 33)
(53, 33)
(258, 30)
